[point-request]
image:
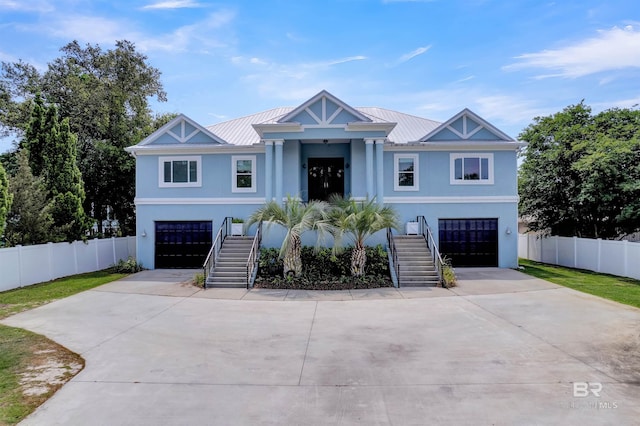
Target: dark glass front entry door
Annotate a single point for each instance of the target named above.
(326, 177)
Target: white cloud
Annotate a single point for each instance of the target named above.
(612, 49)
(40, 6)
(172, 4)
(408, 56)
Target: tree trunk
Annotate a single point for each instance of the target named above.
(292, 260)
(358, 260)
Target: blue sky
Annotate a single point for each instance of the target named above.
(508, 61)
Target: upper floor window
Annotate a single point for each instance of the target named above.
(405, 172)
(180, 171)
(472, 169)
(243, 173)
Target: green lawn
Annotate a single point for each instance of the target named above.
(21, 349)
(619, 289)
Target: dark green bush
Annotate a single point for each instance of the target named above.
(323, 271)
(128, 266)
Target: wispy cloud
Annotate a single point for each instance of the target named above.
(172, 4)
(409, 56)
(613, 49)
(40, 6)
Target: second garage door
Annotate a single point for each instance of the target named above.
(469, 242)
(182, 244)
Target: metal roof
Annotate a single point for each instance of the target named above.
(239, 131)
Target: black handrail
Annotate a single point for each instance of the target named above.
(425, 230)
(394, 254)
(212, 257)
(254, 254)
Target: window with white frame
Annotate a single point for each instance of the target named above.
(180, 171)
(471, 169)
(405, 172)
(243, 173)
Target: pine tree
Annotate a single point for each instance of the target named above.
(29, 220)
(35, 136)
(5, 200)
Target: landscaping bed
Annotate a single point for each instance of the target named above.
(323, 271)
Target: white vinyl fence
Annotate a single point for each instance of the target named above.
(620, 258)
(21, 266)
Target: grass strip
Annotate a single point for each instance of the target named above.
(619, 289)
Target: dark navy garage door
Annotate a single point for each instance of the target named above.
(182, 244)
(469, 242)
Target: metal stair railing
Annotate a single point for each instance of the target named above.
(425, 231)
(394, 254)
(254, 255)
(212, 257)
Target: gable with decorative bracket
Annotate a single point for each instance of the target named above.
(182, 131)
(466, 126)
(324, 110)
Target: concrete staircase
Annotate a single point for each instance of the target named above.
(416, 264)
(231, 267)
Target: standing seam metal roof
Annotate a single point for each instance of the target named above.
(239, 131)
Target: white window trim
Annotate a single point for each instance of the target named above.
(163, 184)
(234, 170)
(396, 172)
(452, 169)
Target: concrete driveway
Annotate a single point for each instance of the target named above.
(502, 348)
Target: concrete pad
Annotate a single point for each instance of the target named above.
(317, 295)
(496, 281)
(265, 294)
(423, 292)
(164, 282)
(221, 293)
(375, 293)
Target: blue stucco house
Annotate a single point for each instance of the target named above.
(461, 175)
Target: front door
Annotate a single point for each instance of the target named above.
(326, 177)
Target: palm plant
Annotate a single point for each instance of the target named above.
(359, 220)
(296, 218)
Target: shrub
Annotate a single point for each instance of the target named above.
(322, 270)
(128, 266)
(448, 274)
(198, 279)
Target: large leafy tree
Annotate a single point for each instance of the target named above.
(358, 220)
(296, 218)
(580, 174)
(5, 199)
(29, 220)
(105, 95)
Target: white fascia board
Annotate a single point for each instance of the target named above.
(141, 201)
(261, 129)
(363, 127)
(457, 146)
(194, 149)
(453, 200)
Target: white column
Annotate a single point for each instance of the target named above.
(368, 143)
(268, 170)
(379, 172)
(279, 171)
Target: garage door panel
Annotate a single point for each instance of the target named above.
(469, 242)
(183, 244)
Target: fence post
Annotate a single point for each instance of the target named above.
(19, 246)
(575, 252)
(113, 246)
(625, 253)
(75, 256)
(50, 259)
(599, 254)
(95, 242)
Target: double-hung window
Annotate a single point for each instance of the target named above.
(243, 173)
(472, 169)
(405, 172)
(180, 171)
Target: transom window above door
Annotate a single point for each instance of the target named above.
(471, 169)
(180, 171)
